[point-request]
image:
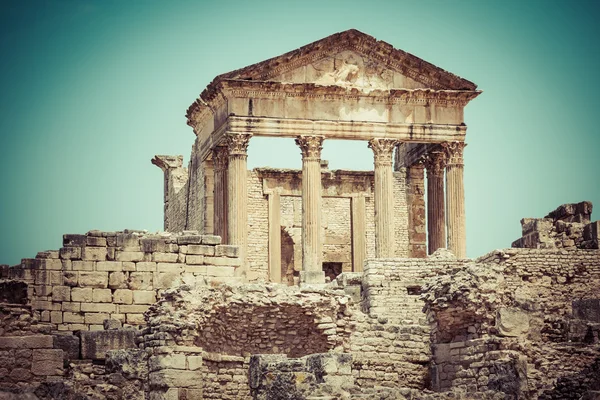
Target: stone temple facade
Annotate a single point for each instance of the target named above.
(313, 284)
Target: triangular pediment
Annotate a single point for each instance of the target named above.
(352, 59)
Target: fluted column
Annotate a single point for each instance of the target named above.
(384, 197)
(220, 165)
(455, 198)
(312, 268)
(237, 195)
(435, 162)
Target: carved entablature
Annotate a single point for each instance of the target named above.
(435, 162)
(310, 146)
(237, 144)
(382, 150)
(454, 152)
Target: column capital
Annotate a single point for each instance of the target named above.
(310, 146)
(237, 144)
(383, 149)
(454, 152)
(435, 162)
(220, 158)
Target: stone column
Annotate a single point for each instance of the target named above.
(435, 162)
(274, 200)
(455, 198)
(237, 195)
(220, 165)
(359, 245)
(312, 268)
(384, 197)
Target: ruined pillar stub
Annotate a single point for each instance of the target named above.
(455, 198)
(312, 268)
(384, 200)
(435, 163)
(237, 195)
(220, 165)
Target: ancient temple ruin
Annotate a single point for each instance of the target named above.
(315, 284)
(348, 86)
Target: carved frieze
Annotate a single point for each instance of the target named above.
(237, 144)
(310, 146)
(382, 150)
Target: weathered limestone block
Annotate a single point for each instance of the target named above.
(83, 265)
(70, 253)
(26, 342)
(98, 307)
(117, 280)
(71, 278)
(512, 322)
(225, 261)
(135, 319)
(165, 257)
(94, 345)
(145, 266)
(69, 344)
(128, 242)
(140, 281)
(144, 296)
(74, 240)
(166, 280)
(109, 266)
(123, 296)
(93, 279)
(154, 244)
(176, 378)
(201, 249)
(166, 361)
(96, 318)
(102, 296)
(96, 241)
(226, 251)
(61, 293)
(129, 256)
(94, 253)
(194, 259)
(73, 317)
(82, 295)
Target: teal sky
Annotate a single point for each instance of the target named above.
(91, 90)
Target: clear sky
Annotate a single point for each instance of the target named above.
(92, 89)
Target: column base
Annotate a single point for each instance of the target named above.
(312, 277)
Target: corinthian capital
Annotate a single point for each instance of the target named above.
(435, 162)
(220, 157)
(310, 146)
(454, 152)
(382, 150)
(238, 143)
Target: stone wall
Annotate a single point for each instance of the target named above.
(117, 275)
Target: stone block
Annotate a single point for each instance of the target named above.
(169, 267)
(20, 374)
(145, 266)
(94, 253)
(123, 296)
(72, 318)
(94, 345)
(133, 309)
(144, 296)
(69, 344)
(201, 249)
(93, 279)
(48, 263)
(96, 241)
(77, 327)
(96, 327)
(166, 280)
(512, 322)
(225, 250)
(220, 271)
(102, 296)
(128, 242)
(165, 257)
(140, 281)
(166, 361)
(176, 378)
(74, 240)
(225, 261)
(82, 295)
(61, 293)
(189, 239)
(83, 265)
(211, 239)
(71, 278)
(151, 245)
(195, 269)
(194, 259)
(98, 307)
(70, 253)
(135, 319)
(117, 280)
(109, 266)
(112, 324)
(71, 307)
(56, 317)
(26, 342)
(129, 256)
(41, 305)
(194, 362)
(96, 318)
(128, 266)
